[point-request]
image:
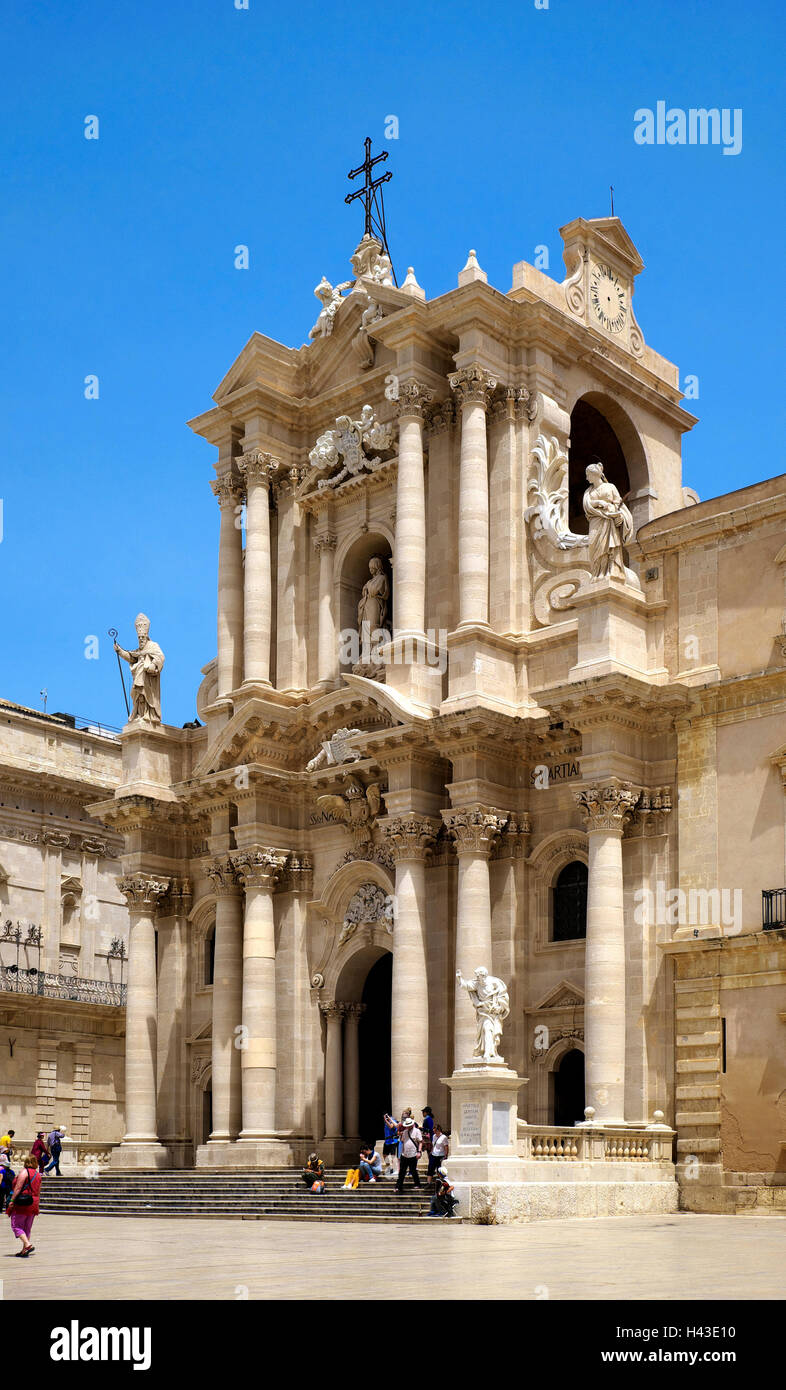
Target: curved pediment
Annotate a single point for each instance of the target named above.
(265, 733)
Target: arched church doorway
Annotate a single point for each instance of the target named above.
(592, 437)
(374, 1049)
(569, 1088)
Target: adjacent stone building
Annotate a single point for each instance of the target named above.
(477, 701)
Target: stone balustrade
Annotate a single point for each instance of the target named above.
(594, 1144)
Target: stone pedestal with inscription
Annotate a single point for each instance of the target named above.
(483, 1140)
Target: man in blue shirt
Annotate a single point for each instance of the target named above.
(390, 1148)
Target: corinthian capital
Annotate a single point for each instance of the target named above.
(472, 385)
(260, 868)
(227, 491)
(607, 805)
(143, 890)
(222, 875)
(331, 1009)
(411, 836)
(475, 829)
(258, 467)
(327, 541)
(414, 397)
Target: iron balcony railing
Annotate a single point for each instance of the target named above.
(16, 981)
(773, 908)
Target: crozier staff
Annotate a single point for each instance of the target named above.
(146, 664)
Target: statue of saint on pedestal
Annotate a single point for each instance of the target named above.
(146, 664)
(489, 998)
(610, 524)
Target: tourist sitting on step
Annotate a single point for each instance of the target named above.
(443, 1201)
(314, 1171)
(370, 1164)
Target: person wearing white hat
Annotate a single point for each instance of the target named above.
(411, 1140)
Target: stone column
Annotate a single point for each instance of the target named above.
(473, 387)
(411, 838)
(230, 586)
(606, 808)
(172, 1006)
(143, 893)
(352, 1015)
(260, 870)
(290, 673)
(227, 1001)
(258, 468)
(333, 1098)
(409, 570)
(327, 649)
(475, 831)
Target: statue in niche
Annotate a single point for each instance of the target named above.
(146, 665)
(610, 524)
(373, 605)
(489, 998)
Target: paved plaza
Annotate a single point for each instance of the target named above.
(672, 1257)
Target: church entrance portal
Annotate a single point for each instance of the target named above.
(569, 1089)
(374, 1049)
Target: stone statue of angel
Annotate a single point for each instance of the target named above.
(489, 998)
(336, 749)
(329, 297)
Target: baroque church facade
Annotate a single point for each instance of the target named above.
(492, 688)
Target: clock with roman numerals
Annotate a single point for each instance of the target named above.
(607, 297)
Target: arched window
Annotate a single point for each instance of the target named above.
(210, 954)
(569, 920)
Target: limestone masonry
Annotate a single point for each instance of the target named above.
(494, 689)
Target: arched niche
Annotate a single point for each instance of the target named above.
(327, 915)
(352, 572)
(203, 926)
(600, 428)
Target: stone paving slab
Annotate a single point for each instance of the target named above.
(681, 1256)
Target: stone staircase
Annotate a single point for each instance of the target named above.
(269, 1195)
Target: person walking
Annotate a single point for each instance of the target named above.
(390, 1147)
(39, 1151)
(55, 1144)
(411, 1139)
(7, 1142)
(23, 1206)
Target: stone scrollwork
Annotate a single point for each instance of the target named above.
(223, 876)
(548, 486)
(260, 868)
(143, 890)
(348, 449)
(369, 904)
(414, 398)
(473, 385)
(607, 806)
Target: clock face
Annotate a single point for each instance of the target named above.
(607, 297)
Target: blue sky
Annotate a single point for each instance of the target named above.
(221, 126)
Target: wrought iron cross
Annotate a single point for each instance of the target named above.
(369, 190)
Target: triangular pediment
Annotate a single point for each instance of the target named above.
(562, 996)
(605, 234)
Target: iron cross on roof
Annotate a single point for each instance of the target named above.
(369, 190)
